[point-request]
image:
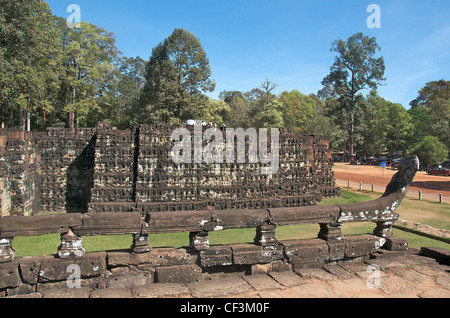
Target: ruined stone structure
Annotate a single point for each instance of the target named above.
(105, 170)
(115, 182)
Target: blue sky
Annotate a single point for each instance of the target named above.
(287, 41)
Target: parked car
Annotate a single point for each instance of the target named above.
(439, 171)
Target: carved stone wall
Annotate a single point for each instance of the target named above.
(105, 170)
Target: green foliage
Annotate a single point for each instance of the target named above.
(431, 151)
(355, 69)
(52, 75)
(431, 111)
(177, 75)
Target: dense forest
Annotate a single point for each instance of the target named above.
(55, 76)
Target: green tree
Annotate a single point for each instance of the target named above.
(239, 107)
(431, 151)
(372, 129)
(355, 69)
(28, 51)
(177, 75)
(433, 103)
(89, 63)
(303, 113)
(272, 116)
(399, 127)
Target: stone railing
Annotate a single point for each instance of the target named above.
(147, 265)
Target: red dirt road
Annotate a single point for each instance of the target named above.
(431, 186)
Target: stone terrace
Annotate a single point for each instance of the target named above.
(411, 274)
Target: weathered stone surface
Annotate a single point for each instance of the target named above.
(382, 209)
(338, 271)
(226, 288)
(219, 255)
(102, 170)
(396, 244)
(178, 274)
(9, 275)
(306, 251)
(303, 214)
(336, 249)
(71, 246)
(129, 280)
(67, 293)
(29, 269)
(7, 253)
(262, 282)
(55, 269)
(247, 254)
(167, 290)
(265, 235)
(157, 257)
(444, 282)
(276, 266)
(33, 295)
(440, 254)
(435, 293)
(199, 241)
(318, 273)
(110, 224)
(236, 219)
(287, 279)
(112, 293)
(360, 245)
(183, 221)
(12, 226)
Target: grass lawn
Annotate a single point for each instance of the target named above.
(427, 212)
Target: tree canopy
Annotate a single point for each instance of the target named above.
(55, 74)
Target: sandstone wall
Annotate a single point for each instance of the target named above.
(105, 170)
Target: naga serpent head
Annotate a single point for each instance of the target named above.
(404, 177)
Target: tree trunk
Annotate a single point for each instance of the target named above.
(21, 119)
(29, 113)
(76, 121)
(352, 132)
(71, 114)
(44, 120)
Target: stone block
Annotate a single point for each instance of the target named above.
(115, 293)
(156, 257)
(219, 255)
(303, 214)
(306, 251)
(249, 254)
(361, 245)
(9, 275)
(56, 269)
(178, 274)
(439, 254)
(29, 269)
(13, 226)
(129, 280)
(237, 219)
(183, 221)
(395, 244)
(382, 209)
(67, 293)
(277, 266)
(336, 249)
(110, 224)
(167, 290)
